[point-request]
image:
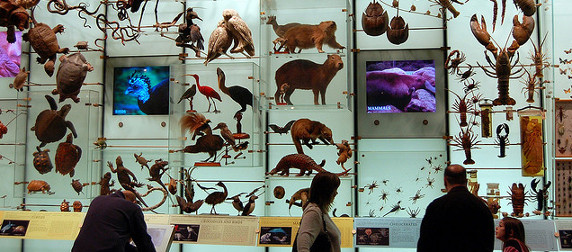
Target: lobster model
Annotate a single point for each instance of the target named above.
(528, 7)
(517, 195)
(303, 162)
(502, 68)
(540, 194)
(454, 60)
(305, 130)
(374, 19)
(466, 139)
(463, 106)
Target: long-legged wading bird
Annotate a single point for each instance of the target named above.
(207, 91)
(240, 95)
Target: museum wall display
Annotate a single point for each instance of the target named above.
(213, 109)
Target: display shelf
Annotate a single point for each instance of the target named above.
(84, 117)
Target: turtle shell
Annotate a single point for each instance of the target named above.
(50, 126)
(42, 161)
(43, 40)
(77, 186)
(71, 74)
(67, 156)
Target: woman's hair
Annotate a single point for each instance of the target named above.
(513, 228)
(322, 190)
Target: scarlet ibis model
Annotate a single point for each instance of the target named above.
(207, 91)
(239, 94)
(216, 198)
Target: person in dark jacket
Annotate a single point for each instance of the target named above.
(111, 221)
(457, 221)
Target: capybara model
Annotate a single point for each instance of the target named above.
(307, 36)
(305, 74)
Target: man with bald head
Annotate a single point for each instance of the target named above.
(111, 221)
(457, 221)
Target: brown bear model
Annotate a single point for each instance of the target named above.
(305, 74)
(307, 36)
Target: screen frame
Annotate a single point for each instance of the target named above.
(115, 87)
(407, 124)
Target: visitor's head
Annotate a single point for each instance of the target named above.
(455, 175)
(324, 189)
(510, 228)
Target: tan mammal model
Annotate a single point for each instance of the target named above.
(305, 130)
(308, 75)
(307, 36)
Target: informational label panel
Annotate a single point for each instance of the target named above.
(281, 231)
(40, 225)
(564, 230)
(218, 230)
(387, 232)
(539, 235)
(157, 219)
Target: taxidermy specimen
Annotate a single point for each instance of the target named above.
(541, 195)
(190, 33)
(374, 20)
(344, 153)
(217, 197)
(78, 186)
(517, 195)
(210, 144)
(279, 192)
(51, 124)
(38, 186)
(105, 183)
(44, 41)
(67, 156)
(42, 161)
(219, 42)
(249, 207)
(124, 177)
(305, 130)
(208, 92)
(237, 203)
(141, 160)
(241, 34)
(306, 36)
(151, 100)
(13, 16)
(156, 172)
(189, 94)
(196, 123)
(20, 80)
(281, 130)
(398, 31)
(70, 76)
(300, 161)
(302, 195)
(240, 95)
(280, 30)
(225, 133)
(307, 75)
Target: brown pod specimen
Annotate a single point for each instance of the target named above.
(374, 20)
(398, 31)
(67, 156)
(279, 192)
(307, 36)
(42, 161)
(307, 75)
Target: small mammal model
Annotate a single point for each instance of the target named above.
(306, 36)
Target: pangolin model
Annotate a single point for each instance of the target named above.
(300, 161)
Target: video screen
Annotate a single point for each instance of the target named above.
(141, 90)
(400, 86)
(10, 55)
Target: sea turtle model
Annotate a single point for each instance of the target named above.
(42, 161)
(70, 76)
(45, 43)
(51, 124)
(67, 156)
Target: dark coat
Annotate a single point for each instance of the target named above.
(109, 223)
(458, 221)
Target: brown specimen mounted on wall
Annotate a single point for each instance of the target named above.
(307, 36)
(51, 125)
(38, 186)
(44, 41)
(307, 75)
(517, 196)
(398, 31)
(300, 161)
(67, 156)
(532, 145)
(42, 161)
(374, 20)
(13, 16)
(70, 76)
(305, 130)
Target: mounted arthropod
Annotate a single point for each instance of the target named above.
(528, 7)
(454, 60)
(398, 30)
(430, 181)
(530, 86)
(502, 138)
(561, 149)
(518, 200)
(467, 74)
(462, 106)
(470, 85)
(466, 140)
(417, 196)
(371, 186)
(541, 194)
(486, 118)
(413, 213)
(539, 58)
(446, 4)
(502, 67)
(383, 196)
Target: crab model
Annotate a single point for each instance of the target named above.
(51, 124)
(70, 76)
(67, 156)
(42, 161)
(44, 41)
